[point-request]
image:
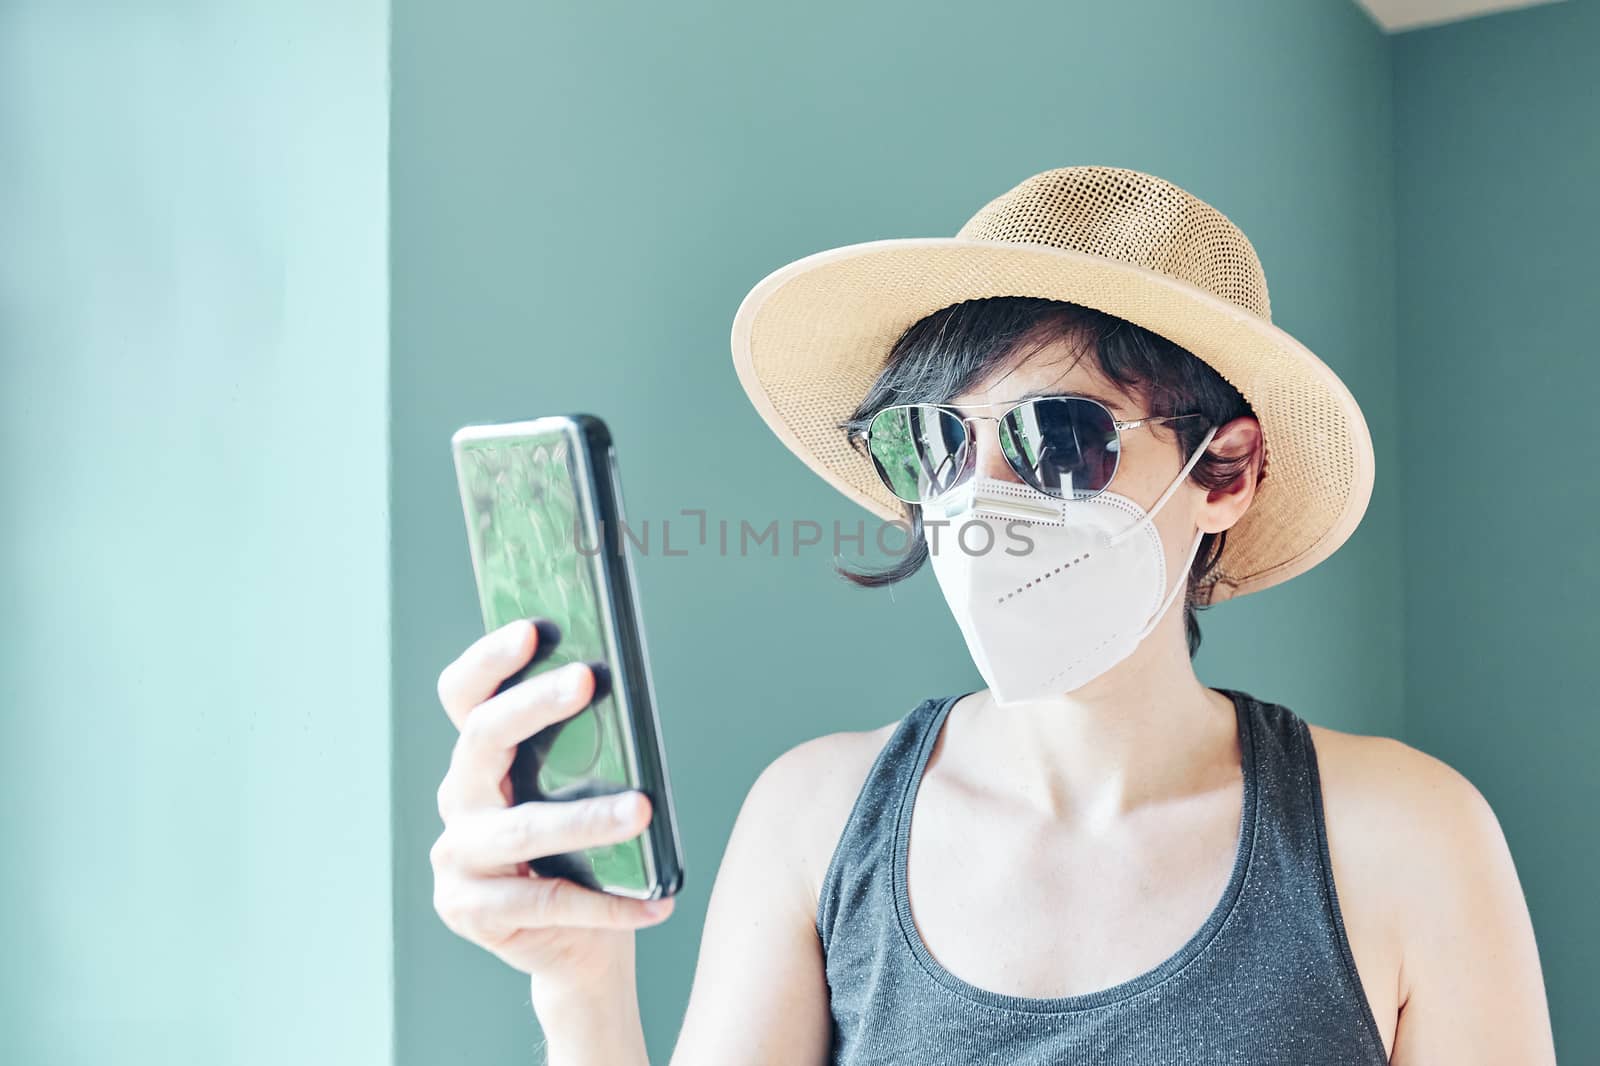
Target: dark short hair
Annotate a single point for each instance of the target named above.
(945, 353)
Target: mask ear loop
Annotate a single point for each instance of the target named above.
(1183, 579)
(1165, 496)
(1194, 548)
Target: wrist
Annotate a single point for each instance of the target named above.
(596, 1023)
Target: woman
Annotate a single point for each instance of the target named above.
(1082, 408)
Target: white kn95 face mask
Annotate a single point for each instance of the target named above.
(1051, 593)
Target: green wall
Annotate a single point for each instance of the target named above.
(258, 261)
(1499, 143)
(194, 588)
(580, 199)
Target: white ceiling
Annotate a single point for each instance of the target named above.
(1397, 15)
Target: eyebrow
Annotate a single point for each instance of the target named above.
(1054, 392)
(1034, 394)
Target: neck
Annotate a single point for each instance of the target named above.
(1144, 732)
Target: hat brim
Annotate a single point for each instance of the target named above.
(811, 337)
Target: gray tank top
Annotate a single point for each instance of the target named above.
(1268, 979)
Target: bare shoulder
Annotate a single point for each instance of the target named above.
(1382, 780)
(760, 991)
(804, 797)
(1435, 912)
(1407, 824)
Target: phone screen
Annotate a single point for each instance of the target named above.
(536, 554)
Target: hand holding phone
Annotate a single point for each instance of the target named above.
(576, 944)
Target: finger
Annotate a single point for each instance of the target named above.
(500, 723)
(490, 910)
(489, 660)
(490, 735)
(486, 840)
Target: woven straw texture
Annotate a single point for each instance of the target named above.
(810, 338)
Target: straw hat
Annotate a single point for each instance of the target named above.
(812, 336)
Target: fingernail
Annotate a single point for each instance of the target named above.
(655, 908)
(516, 635)
(624, 806)
(572, 680)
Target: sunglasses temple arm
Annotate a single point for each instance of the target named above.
(1183, 476)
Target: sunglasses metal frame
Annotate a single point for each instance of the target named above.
(966, 452)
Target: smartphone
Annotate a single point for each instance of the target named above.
(546, 532)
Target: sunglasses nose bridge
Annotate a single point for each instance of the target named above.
(985, 457)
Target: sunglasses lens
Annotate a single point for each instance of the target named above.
(919, 450)
(1064, 446)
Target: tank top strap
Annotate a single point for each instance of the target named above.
(1290, 897)
(859, 873)
(1291, 837)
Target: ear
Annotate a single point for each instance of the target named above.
(1239, 440)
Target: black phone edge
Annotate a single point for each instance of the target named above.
(622, 604)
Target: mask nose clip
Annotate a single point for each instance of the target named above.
(1009, 507)
(979, 496)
